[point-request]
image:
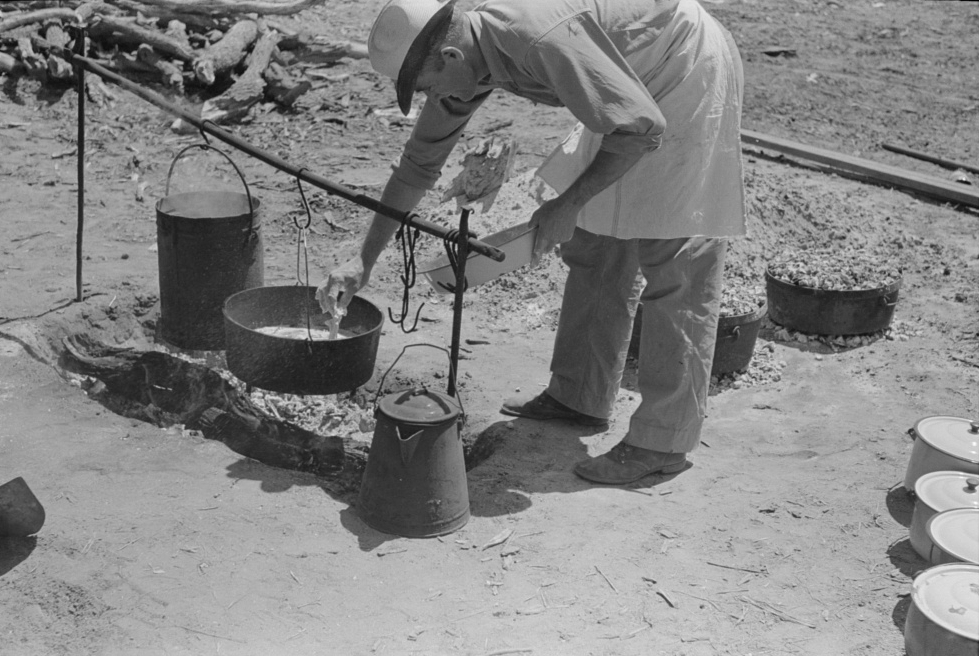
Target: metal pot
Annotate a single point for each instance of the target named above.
(937, 492)
(415, 482)
(735, 343)
(830, 312)
(21, 514)
(943, 619)
(943, 443)
(298, 366)
(954, 536)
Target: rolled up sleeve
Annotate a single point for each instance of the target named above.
(439, 127)
(593, 80)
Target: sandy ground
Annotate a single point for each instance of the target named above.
(788, 535)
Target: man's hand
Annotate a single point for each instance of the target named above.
(555, 221)
(340, 287)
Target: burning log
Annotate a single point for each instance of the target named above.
(234, 103)
(166, 390)
(224, 55)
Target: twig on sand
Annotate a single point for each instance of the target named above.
(768, 608)
(701, 599)
(501, 652)
(610, 584)
(212, 635)
(965, 361)
(740, 569)
(666, 598)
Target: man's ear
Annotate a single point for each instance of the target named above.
(451, 53)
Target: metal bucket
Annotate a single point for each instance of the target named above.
(209, 246)
(415, 482)
(21, 514)
(298, 366)
(735, 344)
(830, 312)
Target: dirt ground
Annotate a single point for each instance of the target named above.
(788, 535)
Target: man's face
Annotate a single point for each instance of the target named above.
(450, 76)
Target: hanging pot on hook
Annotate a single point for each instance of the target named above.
(209, 246)
(271, 346)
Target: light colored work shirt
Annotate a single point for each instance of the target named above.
(613, 63)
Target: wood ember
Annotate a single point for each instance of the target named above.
(833, 269)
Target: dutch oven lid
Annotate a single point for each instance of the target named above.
(419, 406)
(955, 436)
(946, 594)
(944, 490)
(956, 532)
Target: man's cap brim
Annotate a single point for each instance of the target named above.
(411, 67)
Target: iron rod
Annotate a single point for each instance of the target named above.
(80, 230)
(278, 163)
(460, 291)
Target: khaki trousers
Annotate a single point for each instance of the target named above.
(681, 302)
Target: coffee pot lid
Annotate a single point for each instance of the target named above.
(419, 405)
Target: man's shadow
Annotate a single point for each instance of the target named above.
(518, 458)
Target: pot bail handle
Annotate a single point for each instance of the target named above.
(248, 194)
(380, 385)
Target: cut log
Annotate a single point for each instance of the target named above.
(39, 16)
(157, 40)
(171, 75)
(56, 36)
(59, 69)
(177, 30)
(315, 49)
(283, 87)
(234, 7)
(867, 170)
(37, 66)
(11, 66)
(196, 22)
(125, 63)
(221, 57)
(234, 103)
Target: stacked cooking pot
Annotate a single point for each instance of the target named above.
(943, 474)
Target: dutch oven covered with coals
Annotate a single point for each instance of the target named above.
(277, 339)
(833, 291)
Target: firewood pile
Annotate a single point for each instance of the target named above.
(231, 54)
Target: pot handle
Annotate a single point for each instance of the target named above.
(380, 385)
(248, 194)
(888, 303)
